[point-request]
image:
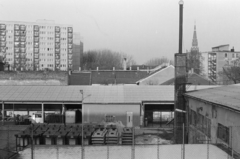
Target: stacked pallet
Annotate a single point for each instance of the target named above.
(98, 137)
(112, 137)
(127, 136)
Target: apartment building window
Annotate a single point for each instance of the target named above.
(233, 55)
(225, 55)
(223, 133)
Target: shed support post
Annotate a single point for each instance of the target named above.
(63, 112)
(43, 113)
(3, 113)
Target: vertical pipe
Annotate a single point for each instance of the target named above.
(183, 143)
(180, 26)
(63, 112)
(3, 113)
(42, 112)
(82, 128)
(32, 141)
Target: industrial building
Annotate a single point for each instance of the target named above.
(128, 104)
(38, 45)
(214, 115)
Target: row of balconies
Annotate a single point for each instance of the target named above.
(36, 33)
(57, 29)
(19, 50)
(19, 27)
(36, 55)
(20, 55)
(20, 38)
(36, 28)
(36, 45)
(2, 26)
(2, 38)
(3, 49)
(19, 44)
(20, 33)
(20, 62)
(3, 32)
(70, 41)
(70, 29)
(57, 46)
(36, 39)
(2, 43)
(57, 61)
(36, 61)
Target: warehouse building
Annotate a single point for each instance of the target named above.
(214, 115)
(128, 104)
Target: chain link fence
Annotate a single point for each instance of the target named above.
(132, 143)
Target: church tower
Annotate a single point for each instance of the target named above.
(194, 47)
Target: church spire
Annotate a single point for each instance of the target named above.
(194, 41)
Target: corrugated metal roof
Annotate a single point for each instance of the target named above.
(93, 94)
(228, 96)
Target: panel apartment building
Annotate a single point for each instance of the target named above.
(37, 45)
(214, 61)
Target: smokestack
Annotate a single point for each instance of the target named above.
(124, 64)
(180, 25)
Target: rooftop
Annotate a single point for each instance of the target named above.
(227, 96)
(131, 94)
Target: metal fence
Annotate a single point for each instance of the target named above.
(132, 143)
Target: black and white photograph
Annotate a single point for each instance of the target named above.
(119, 79)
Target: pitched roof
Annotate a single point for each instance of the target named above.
(193, 79)
(159, 76)
(220, 46)
(227, 96)
(117, 77)
(92, 94)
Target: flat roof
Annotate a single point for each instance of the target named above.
(228, 96)
(119, 94)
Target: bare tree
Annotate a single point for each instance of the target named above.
(158, 61)
(231, 72)
(105, 59)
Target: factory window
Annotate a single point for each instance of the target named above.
(223, 133)
(193, 117)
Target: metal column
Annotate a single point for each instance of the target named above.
(3, 113)
(43, 112)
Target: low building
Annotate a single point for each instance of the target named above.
(128, 104)
(214, 115)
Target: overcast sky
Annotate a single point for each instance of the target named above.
(145, 29)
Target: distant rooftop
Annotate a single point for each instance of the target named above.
(221, 48)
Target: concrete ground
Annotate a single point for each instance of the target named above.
(8, 140)
(195, 151)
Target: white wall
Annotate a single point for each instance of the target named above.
(223, 116)
(96, 112)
